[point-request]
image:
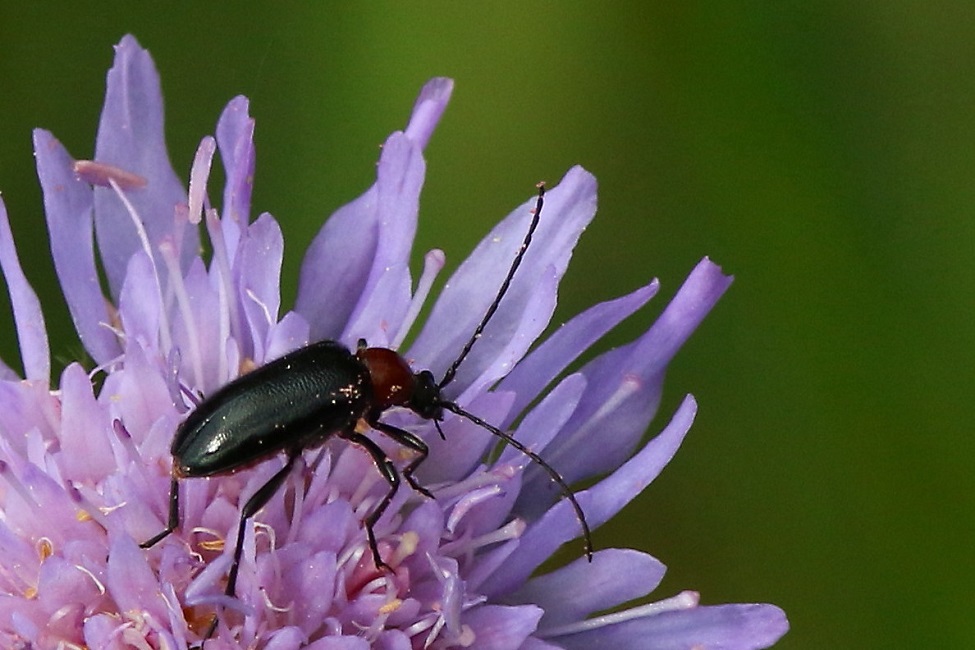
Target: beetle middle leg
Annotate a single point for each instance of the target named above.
(412, 442)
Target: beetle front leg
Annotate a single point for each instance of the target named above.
(410, 441)
(173, 522)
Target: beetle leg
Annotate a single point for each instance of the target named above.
(173, 522)
(257, 501)
(388, 470)
(411, 441)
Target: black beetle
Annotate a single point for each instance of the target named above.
(302, 399)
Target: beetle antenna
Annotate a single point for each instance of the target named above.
(555, 476)
(452, 370)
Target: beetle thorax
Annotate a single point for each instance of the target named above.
(392, 379)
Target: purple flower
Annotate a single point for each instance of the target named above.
(85, 472)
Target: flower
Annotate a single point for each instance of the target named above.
(85, 472)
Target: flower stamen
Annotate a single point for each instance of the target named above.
(433, 263)
(185, 309)
(683, 600)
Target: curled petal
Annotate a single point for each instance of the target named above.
(429, 106)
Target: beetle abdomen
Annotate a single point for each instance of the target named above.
(293, 402)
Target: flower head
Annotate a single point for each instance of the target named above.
(84, 473)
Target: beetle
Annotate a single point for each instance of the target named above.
(302, 399)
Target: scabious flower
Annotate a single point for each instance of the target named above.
(85, 472)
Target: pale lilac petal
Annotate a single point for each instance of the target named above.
(27, 406)
(533, 643)
(554, 354)
(259, 281)
(339, 643)
(139, 397)
(31, 332)
(429, 106)
(341, 261)
(235, 137)
(600, 502)
(64, 591)
(199, 322)
(569, 207)
(613, 577)
(464, 443)
(336, 267)
(526, 329)
(130, 136)
(502, 628)
(385, 297)
(393, 640)
(68, 206)
(544, 421)
(729, 627)
(288, 638)
(131, 582)
(140, 305)
(87, 454)
(100, 631)
(288, 334)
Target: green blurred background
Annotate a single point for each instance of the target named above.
(821, 152)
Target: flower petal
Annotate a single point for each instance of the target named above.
(259, 282)
(385, 297)
(729, 627)
(68, 206)
(573, 592)
(31, 332)
(130, 136)
(235, 138)
(502, 628)
(339, 643)
(86, 449)
(131, 583)
(342, 259)
(429, 106)
(140, 306)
